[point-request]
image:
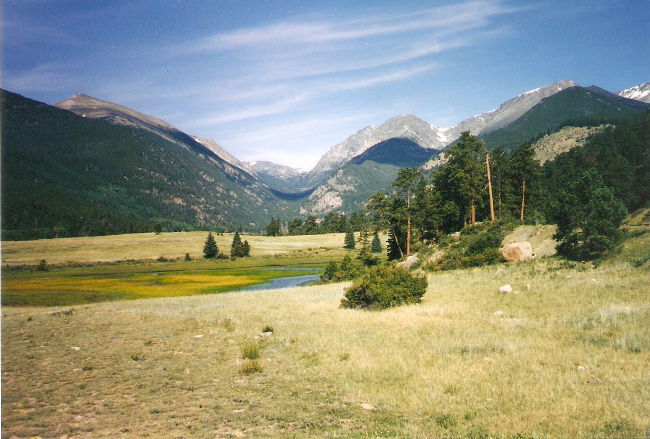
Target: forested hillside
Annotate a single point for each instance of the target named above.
(65, 175)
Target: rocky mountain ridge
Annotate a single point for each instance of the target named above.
(638, 93)
(405, 126)
(507, 112)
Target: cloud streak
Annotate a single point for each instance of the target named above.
(279, 68)
(462, 17)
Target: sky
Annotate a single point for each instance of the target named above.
(285, 80)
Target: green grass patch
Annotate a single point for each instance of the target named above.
(91, 284)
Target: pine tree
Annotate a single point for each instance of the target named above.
(394, 250)
(237, 247)
(406, 180)
(246, 249)
(210, 248)
(588, 216)
(524, 169)
(273, 229)
(349, 240)
(375, 246)
(460, 181)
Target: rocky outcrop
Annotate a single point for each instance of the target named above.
(518, 251)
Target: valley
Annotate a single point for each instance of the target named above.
(330, 219)
(136, 333)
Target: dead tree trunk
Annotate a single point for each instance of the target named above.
(489, 185)
(523, 198)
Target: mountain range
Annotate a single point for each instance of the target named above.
(114, 162)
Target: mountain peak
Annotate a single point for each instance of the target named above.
(404, 126)
(638, 93)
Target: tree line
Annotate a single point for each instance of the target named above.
(332, 222)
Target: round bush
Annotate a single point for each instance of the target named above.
(384, 287)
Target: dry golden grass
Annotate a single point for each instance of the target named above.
(151, 246)
(568, 358)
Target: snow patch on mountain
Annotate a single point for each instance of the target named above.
(638, 93)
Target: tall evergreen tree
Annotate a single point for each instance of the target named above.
(349, 242)
(210, 249)
(524, 169)
(237, 247)
(273, 229)
(311, 226)
(295, 227)
(588, 216)
(394, 251)
(406, 180)
(375, 246)
(460, 181)
(499, 164)
(427, 211)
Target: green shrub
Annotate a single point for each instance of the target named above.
(384, 287)
(42, 265)
(347, 270)
(477, 246)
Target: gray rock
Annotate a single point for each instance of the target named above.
(409, 262)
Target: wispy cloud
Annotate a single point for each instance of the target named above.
(269, 142)
(459, 17)
(299, 97)
(279, 67)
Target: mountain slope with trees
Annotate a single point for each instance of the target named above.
(66, 175)
(576, 106)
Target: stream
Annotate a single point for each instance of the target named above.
(285, 282)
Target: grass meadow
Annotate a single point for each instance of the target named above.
(565, 355)
(148, 246)
(88, 270)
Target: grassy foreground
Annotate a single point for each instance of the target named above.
(566, 357)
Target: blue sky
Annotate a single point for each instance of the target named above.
(285, 80)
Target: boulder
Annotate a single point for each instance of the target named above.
(409, 262)
(506, 289)
(518, 251)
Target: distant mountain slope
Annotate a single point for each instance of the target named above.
(405, 126)
(372, 171)
(567, 138)
(348, 188)
(68, 175)
(403, 153)
(578, 104)
(278, 177)
(638, 93)
(90, 107)
(507, 112)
